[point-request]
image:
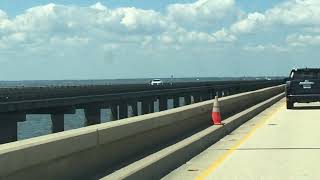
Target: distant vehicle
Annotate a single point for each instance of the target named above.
(303, 85)
(156, 82)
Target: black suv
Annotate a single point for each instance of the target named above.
(303, 85)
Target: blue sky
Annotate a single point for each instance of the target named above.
(106, 39)
(15, 7)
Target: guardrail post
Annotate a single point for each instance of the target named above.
(57, 120)
(9, 128)
(93, 116)
(163, 103)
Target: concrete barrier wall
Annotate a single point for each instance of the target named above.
(161, 163)
(86, 151)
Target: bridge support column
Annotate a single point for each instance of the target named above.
(196, 98)
(176, 101)
(163, 103)
(145, 107)
(123, 110)
(57, 122)
(232, 91)
(187, 100)
(205, 97)
(9, 127)
(114, 112)
(226, 93)
(93, 116)
(134, 107)
(151, 105)
(212, 94)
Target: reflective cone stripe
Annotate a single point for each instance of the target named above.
(215, 115)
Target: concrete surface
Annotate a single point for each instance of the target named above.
(278, 144)
(162, 162)
(90, 149)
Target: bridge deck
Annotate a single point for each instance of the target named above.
(277, 144)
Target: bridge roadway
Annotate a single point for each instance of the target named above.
(278, 144)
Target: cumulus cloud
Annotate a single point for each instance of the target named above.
(103, 30)
(266, 47)
(303, 40)
(202, 13)
(289, 13)
(249, 24)
(54, 27)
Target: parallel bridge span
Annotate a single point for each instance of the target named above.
(16, 102)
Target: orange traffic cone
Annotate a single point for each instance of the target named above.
(216, 116)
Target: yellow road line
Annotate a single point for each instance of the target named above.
(224, 156)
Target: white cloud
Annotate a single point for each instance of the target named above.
(224, 35)
(266, 47)
(3, 15)
(303, 40)
(203, 30)
(249, 24)
(53, 27)
(98, 6)
(202, 13)
(291, 13)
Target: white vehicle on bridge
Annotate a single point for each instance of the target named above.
(156, 82)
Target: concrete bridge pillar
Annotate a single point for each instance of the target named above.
(226, 93)
(163, 103)
(187, 100)
(9, 127)
(123, 110)
(147, 106)
(151, 105)
(212, 94)
(176, 101)
(114, 112)
(196, 98)
(57, 120)
(134, 107)
(205, 96)
(93, 116)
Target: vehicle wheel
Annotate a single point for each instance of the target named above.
(289, 104)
